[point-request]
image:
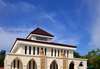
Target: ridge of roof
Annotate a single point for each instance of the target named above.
(41, 32)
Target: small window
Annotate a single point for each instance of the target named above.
(38, 50)
(45, 51)
(81, 64)
(58, 52)
(61, 51)
(33, 50)
(25, 49)
(41, 48)
(41, 38)
(67, 53)
(14, 63)
(30, 50)
(64, 51)
(18, 64)
(55, 52)
(51, 52)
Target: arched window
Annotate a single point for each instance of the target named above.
(16, 64)
(71, 66)
(31, 64)
(81, 64)
(54, 65)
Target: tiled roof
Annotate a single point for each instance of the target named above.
(41, 32)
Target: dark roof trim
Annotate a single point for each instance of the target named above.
(51, 43)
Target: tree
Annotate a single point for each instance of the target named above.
(93, 58)
(76, 55)
(2, 56)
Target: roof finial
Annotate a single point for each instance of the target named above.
(38, 24)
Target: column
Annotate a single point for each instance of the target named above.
(43, 50)
(53, 52)
(38, 67)
(59, 52)
(31, 64)
(16, 64)
(8, 66)
(31, 50)
(27, 49)
(35, 50)
(56, 52)
(24, 66)
(12, 65)
(66, 53)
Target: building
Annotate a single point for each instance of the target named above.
(38, 52)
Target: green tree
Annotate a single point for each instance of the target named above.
(76, 55)
(2, 56)
(93, 58)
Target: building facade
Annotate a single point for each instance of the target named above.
(38, 52)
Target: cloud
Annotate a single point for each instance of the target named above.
(7, 38)
(70, 41)
(51, 18)
(94, 11)
(17, 7)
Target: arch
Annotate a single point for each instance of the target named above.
(32, 64)
(71, 65)
(54, 65)
(16, 63)
(81, 64)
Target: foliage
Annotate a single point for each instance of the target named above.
(2, 56)
(76, 55)
(93, 58)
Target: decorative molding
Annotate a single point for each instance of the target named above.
(43, 64)
(64, 64)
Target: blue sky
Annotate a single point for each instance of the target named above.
(73, 22)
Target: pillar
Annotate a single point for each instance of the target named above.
(16, 64)
(31, 50)
(24, 66)
(8, 66)
(53, 52)
(27, 49)
(35, 50)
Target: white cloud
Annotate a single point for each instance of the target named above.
(17, 7)
(51, 18)
(94, 11)
(7, 38)
(70, 41)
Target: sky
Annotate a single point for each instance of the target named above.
(72, 22)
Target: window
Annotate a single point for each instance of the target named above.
(61, 51)
(55, 52)
(41, 38)
(29, 64)
(38, 50)
(33, 50)
(25, 49)
(64, 51)
(45, 51)
(30, 50)
(67, 53)
(41, 48)
(51, 52)
(54, 65)
(14, 63)
(58, 52)
(18, 64)
(81, 64)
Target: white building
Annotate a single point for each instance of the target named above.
(38, 52)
